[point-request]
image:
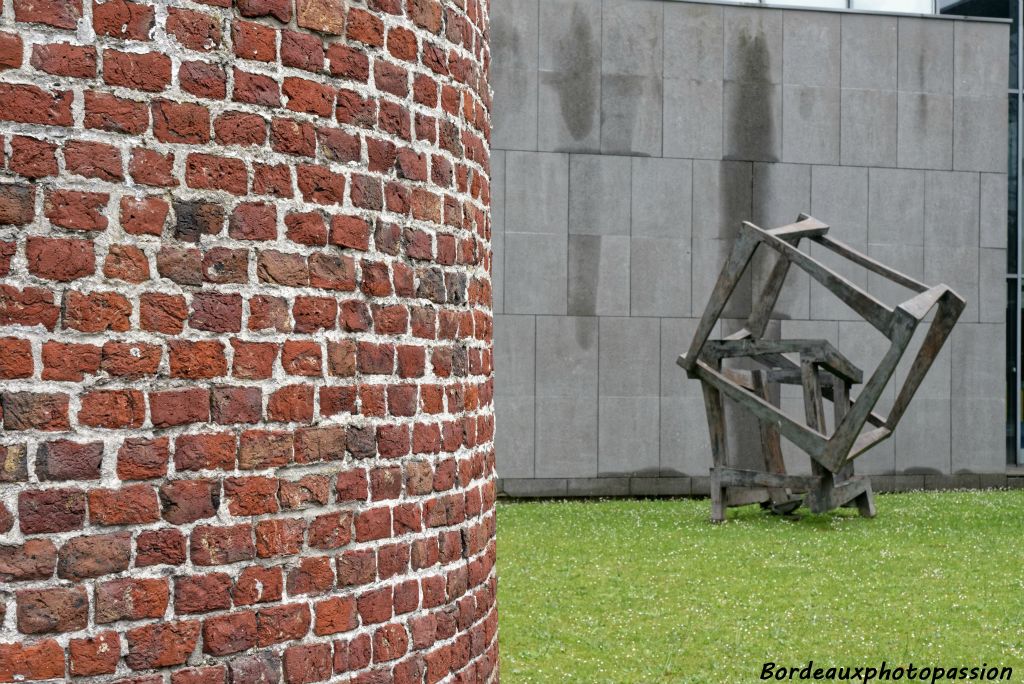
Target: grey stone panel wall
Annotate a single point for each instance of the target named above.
(630, 139)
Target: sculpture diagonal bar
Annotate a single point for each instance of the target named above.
(821, 370)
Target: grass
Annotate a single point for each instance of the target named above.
(649, 591)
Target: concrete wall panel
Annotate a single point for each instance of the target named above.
(638, 134)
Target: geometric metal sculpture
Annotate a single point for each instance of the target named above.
(816, 366)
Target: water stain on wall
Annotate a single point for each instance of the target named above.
(584, 274)
(577, 89)
(750, 119)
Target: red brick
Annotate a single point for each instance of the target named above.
(112, 409)
(259, 668)
(97, 312)
(253, 360)
(66, 460)
(236, 405)
(7, 250)
(365, 27)
(390, 642)
(52, 610)
(391, 79)
(33, 105)
(353, 654)
(330, 530)
(225, 265)
(193, 220)
(35, 411)
(178, 407)
(60, 259)
(335, 615)
(314, 313)
(133, 504)
(301, 357)
(33, 158)
(127, 263)
(291, 403)
(375, 606)
(253, 221)
(193, 30)
(122, 19)
(11, 51)
(280, 537)
(96, 655)
(372, 524)
(317, 444)
(58, 13)
(257, 584)
(289, 136)
(15, 358)
(162, 313)
(93, 556)
(350, 231)
(251, 495)
(148, 71)
(152, 168)
(281, 268)
(302, 493)
(185, 501)
(17, 204)
(320, 185)
(286, 622)
(221, 545)
(210, 172)
(309, 663)
(198, 359)
(355, 316)
(341, 358)
(181, 122)
(308, 97)
(76, 210)
(205, 451)
(93, 160)
(40, 660)
(301, 51)
(254, 41)
(202, 593)
(131, 599)
(203, 79)
(256, 89)
(160, 547)
(306, 228)
(321, 15)
(215, 312)
(240, 128)
(64, 59)
(272, 179)
(386, 483)
(281, 9)
(264, 449)
(162, 644)
(200, 675)
(33, 560)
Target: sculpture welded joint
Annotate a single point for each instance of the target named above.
(817, 366)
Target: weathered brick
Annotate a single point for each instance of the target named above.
(93, 556)
(131, 599)
(52, 610)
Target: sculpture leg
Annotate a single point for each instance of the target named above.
(716, 428)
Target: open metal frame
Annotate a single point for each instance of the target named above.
(822, 371)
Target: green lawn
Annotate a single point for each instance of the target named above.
(649, 591)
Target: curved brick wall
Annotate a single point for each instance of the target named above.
(245, 342)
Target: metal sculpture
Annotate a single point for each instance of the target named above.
(819, 368)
